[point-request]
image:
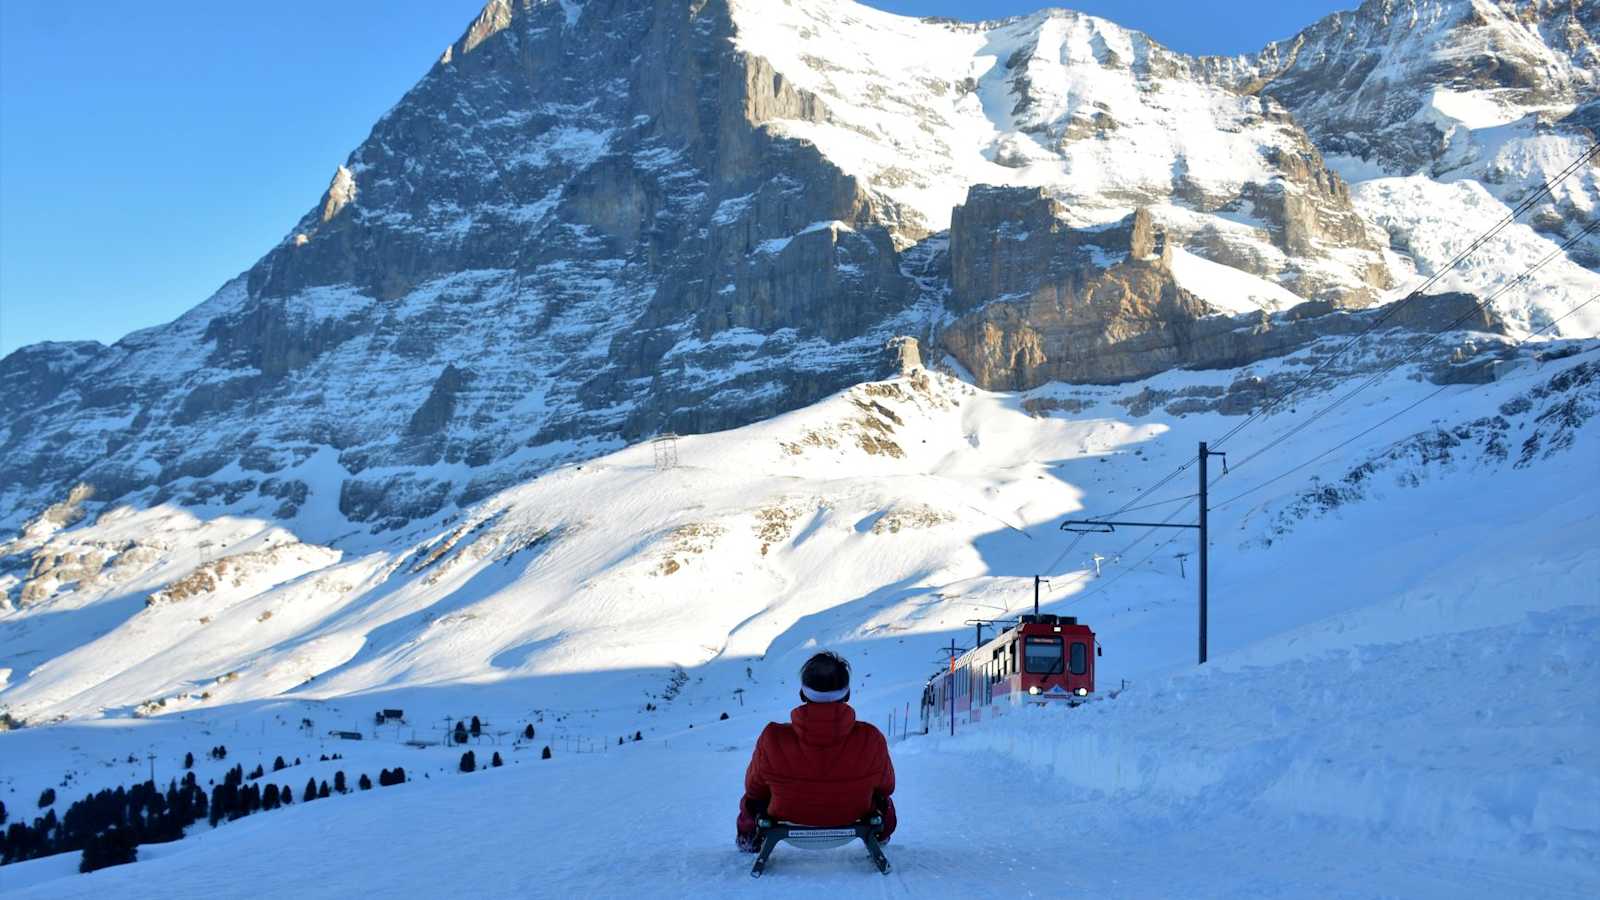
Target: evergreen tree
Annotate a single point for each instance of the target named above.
(619, 742)
(364, 783)
(257, 772)
(546, 753)
(638, 735)
(311, 789)
(188, 760)
(322, 791)
(339, 783)
(461, 732)
(469, 762)
(2, 812)
(399, 776)
(218, 805)
(269, 797)
(724, 717)
(496, 763)
(47, 797)
(111, 848)
(477, 727)
(278, 765)
(527, 733)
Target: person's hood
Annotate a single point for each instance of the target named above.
(822, 724)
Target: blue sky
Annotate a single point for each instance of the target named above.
(151, 151)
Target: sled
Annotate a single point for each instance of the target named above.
(807, 837)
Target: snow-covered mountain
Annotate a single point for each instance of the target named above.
(591, 223)
(914, 291)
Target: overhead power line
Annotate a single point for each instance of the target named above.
(1387, 419)
(1545, 190)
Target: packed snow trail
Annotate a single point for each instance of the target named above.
(585, 826)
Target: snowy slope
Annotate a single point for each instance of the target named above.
(574, 600)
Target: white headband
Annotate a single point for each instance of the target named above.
(816, 696)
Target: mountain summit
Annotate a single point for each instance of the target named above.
(592, 222)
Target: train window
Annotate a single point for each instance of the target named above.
(1042, 655)
(1080, 657)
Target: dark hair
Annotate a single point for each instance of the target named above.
(827, 671)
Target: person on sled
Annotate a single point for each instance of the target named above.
(824, 768)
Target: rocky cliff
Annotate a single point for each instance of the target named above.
(590, 222)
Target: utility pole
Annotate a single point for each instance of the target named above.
(1105, 526)
(1204, 555)
(152, 767)
(1097, 559)
(950, 695)
(1182, 570)
(1036, 582)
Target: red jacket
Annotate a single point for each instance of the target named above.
(825, 769)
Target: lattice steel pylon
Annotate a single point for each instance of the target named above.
(666, 450)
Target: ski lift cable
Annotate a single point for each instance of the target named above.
(1382, 373)
(1366, 431)
(1545, 189)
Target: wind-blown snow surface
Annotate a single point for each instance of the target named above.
(1400, 700)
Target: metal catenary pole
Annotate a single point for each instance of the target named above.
(1204, 555)
(1106, 526)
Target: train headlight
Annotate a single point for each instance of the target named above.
(1034, 689)
(1083, 692)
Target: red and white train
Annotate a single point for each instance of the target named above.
(1043, 659)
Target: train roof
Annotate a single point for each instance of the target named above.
(1044, 623)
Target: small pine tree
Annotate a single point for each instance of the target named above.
(399, 776)
(724, 717)
(619, 742)
(496, 762)
(546, 753)
(47, 797)
(2, 812)
(364, 783)
(257, 772)
(278, 765)
(469, 762)
(322, 791)
(286, 795)
(188, 760)
(311, 789)
(638, 735)
(527, 733)
(339, 782)
(269, 797)
(477, 727)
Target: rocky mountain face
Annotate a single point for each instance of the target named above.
(1503, 92)
(594, 221)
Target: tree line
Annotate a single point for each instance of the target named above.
(108, 826)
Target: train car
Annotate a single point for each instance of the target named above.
(1043, 659)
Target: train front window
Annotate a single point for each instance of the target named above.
(1042, 655)
(1080, 658)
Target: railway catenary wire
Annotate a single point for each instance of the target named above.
(1390, 418)
(1099, 588)
(1546, 189)
(1379, 375)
